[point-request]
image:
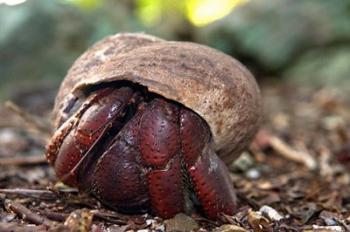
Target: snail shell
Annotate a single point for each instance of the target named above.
(214, 85)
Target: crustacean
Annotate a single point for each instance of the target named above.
(146, 124)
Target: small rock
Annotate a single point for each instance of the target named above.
(150, 222)
(253, 174)
(330, 222)
(79, 220)
(11, 142)
(230, 228)
(257, 221)
(97, 228)
(116, 228)
(281, 121)
(243, 163)
(329, 218)
(181, 223)
(270, 213)
(6, 218)
(160, 228)
(333, 122)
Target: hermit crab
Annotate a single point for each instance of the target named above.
(145, 124)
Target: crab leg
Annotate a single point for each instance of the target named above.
(160, 149)
(76, 137)
(118, 177)
(208, 173)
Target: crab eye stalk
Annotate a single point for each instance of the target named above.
(140, 121)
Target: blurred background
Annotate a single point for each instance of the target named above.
(303, 42)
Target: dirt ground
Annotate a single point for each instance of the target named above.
(294, 177)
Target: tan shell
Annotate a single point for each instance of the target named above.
(214, 85)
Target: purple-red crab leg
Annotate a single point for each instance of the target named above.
(208, 173)
(76, 136)
(119, 177)
(169, 134)
(161, 149)
(143, 164)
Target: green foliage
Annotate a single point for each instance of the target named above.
(198, 12)
(85, 4)
(322, 67)
(39, 39)
(153, 11)
(273, 33)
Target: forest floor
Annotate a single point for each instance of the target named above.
(294, 177)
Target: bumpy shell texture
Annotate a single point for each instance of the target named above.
(216, 86)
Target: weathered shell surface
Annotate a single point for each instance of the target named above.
(214, 85)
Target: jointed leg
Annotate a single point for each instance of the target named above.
(160, 149)
(208, 173)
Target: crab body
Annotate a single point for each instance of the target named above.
(135, 152)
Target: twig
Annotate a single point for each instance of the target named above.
(59, 188)
(265, 139)
(27, 214)
(286, 151)
(32, 123)
(110, 217)
(41, 194)
(23, 160)
(326, 170)
(59, 217)
(15, 227)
